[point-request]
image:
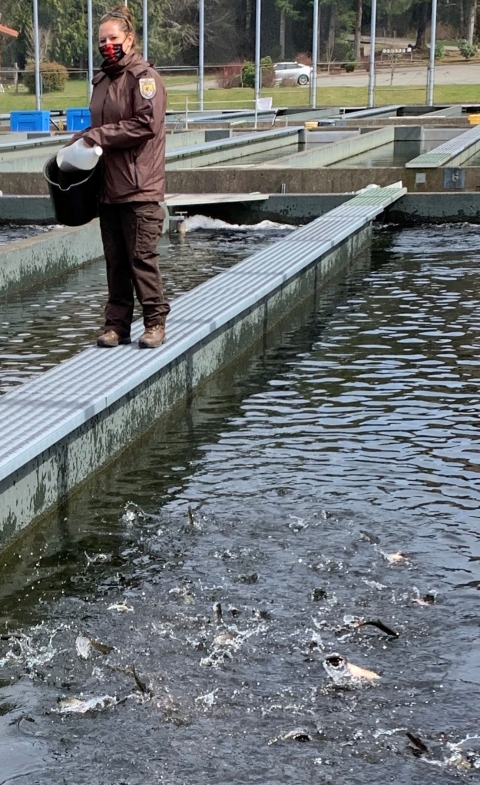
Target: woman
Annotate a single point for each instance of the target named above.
(128, 122)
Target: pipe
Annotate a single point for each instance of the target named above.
(258, 82)
(145, 29)
(313, 86)
(201, 53)
(371, 76)
(90, 47)
(431, 64)
(36, 39)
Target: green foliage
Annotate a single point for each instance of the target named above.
(349, 64)
(439, 50)
(268, 73)
(54, 77)
(248, 74)
(467, 50)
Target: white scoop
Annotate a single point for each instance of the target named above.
(78, 156)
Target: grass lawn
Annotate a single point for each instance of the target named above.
(75, 94)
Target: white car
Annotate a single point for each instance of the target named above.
(296, 71)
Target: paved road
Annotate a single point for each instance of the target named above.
(404, 76)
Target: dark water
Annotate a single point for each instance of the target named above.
(393, 154)
(41, 326)
(11, 232)
(352, 436)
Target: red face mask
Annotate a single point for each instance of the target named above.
(111, 53)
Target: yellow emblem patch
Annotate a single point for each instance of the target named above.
(148, 88)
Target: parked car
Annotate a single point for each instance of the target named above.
(301, 74)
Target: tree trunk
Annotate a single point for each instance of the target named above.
(283, 29)
(248, 27)
(358, 28)
(422, 19)
(332, 25)
(471, 17)
(331, 34)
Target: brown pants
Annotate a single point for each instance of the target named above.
(130, 235)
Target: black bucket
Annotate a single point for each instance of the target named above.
(74, 195)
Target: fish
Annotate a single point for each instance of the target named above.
(121, 607)
(395, 558)
(419, 748)
(77, 706)
(83, 647)
(369, 537)
(340, 669)
(141, 685)
(225, 639)
(298, 734)
(427, 599)
(380, 626)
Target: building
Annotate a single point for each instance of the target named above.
(6, 31)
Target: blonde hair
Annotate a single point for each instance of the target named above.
(122, 17)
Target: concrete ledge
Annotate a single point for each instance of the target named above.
(60, 428)
(26, 262)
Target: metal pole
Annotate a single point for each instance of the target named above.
(431, 64)
(145, 29)
(90, 47)
(371, 76)
(36, 39)
(201, 53)
(258, 75)
(313, 86)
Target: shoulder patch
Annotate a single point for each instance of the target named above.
(148, 88)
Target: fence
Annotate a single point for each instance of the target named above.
(338, 84)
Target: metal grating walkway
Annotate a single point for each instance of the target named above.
(445, 152)
(35, 416)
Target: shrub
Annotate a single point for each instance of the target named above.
(248, 74)
(290, 82)
(268, 73)
(467, 50)
(349, 63)
(231, 75)
(54, 77)
(304, 58)
(439, 50)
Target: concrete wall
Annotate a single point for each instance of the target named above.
(270, 180)
(26, 262)
(409, 210)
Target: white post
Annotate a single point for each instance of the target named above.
(313, 86)
(90, 47)
(201, 53)
(431, 64)
(258, 74)
(145, 29)
(371, 77)
(36, 39)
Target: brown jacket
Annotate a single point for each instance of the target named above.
(128, 122)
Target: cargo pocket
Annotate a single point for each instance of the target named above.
(149, 230)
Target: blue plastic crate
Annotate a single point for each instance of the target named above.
(30, 121)
(78, 119)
